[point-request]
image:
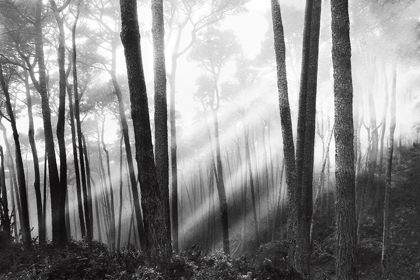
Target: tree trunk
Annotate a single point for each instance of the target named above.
(251, 182)
(387, 225)
(5, 204)
(57, 221)
(161, 108)
(156, 227)
(75, 114)
(37, 181)
(286, 126)
(343, 135)
(26, 231)
(306, 133)
(59, 195)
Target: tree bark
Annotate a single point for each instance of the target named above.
(343, 135)
(161, 108)
(156, 227)
(286, 126)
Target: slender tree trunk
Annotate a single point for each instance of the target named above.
(251, 182)
(317, 204)
(26, 232)
(158, 245)
(286, 125)
(386, 227)
(74, 114)
(5, 204)
(37, 180)
(121, 196)
(111, 191)
(89, 187)
(343, 134)
(220, 183)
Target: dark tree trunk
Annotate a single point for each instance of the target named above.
(57, 222)
(343, 134)
(24, 222)
(73, 112)
(156, 227)
(59, 195)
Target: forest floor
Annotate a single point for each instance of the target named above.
(77, 261)
(404, 230)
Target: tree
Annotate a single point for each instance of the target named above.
(213, 52)
(161, 109)
(386, 225)
(5, 221)
(343, 135)
(26, 232)
(58, 193)
(181, 14)
(286, 127)
(306, 132)
(156, 227)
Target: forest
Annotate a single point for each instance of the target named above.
(221, 139)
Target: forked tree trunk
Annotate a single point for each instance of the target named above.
(158, 245)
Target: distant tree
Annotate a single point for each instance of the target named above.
(158, 245)
(386, 222)
(198, 15)
(213, 52)
(343, 135)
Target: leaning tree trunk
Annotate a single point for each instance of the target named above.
(156, 227)
(343, 135)
(286, 126)
(26, 232)
(386, 227)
